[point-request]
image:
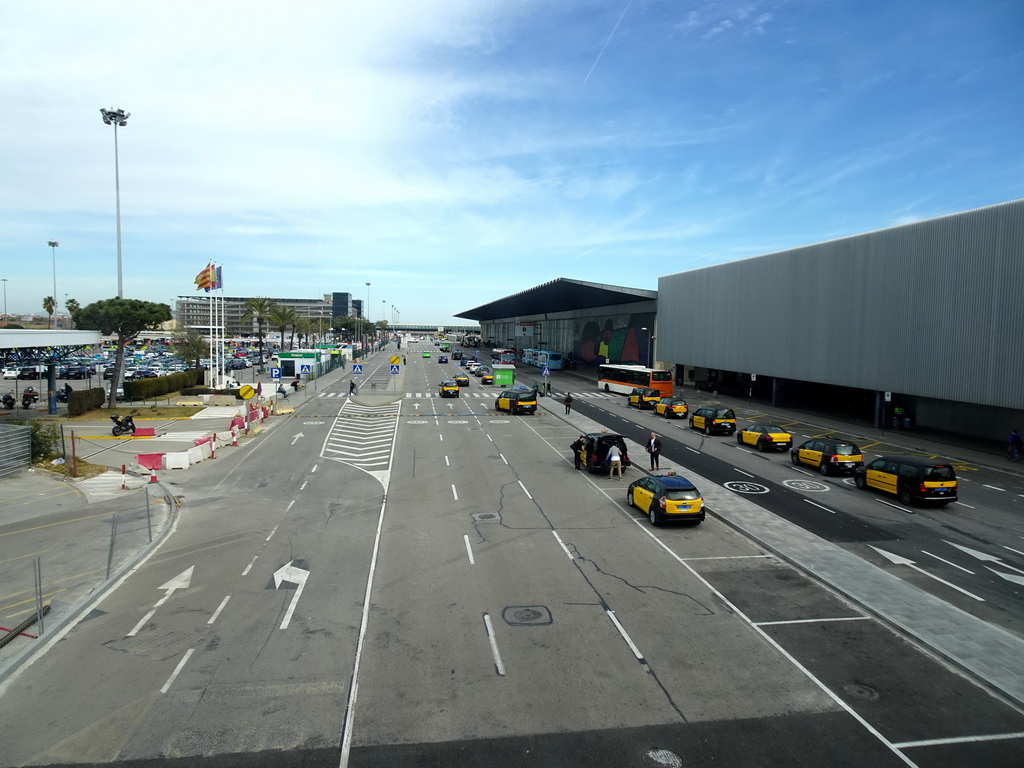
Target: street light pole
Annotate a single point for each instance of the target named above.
(6, 320)
(53, 247)
(117, 118)
(366, 317)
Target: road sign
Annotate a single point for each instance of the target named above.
(357, 367)
(546, 371)
(305, 368)
(247, 392)
(395, 360)
(394, 368)
(275, 373)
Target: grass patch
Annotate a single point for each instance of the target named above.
(85, 468)
(143, 412)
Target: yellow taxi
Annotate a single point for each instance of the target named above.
(644, 397)
(448, 388)
(764, 437)
(671, 408)
(487, 378)
(666, 496)
(909, 478)
(516, 401)
(462, 380)
(713, 418)
(828, 455)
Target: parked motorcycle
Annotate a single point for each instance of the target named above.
(63, 394)
(28, 397)
(8, 401)
(122, 426)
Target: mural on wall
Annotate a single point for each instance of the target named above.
(601, 340)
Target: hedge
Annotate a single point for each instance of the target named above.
(84, 400)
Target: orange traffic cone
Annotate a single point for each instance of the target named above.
(152, 474)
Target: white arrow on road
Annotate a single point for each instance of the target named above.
(898, 560)
(983, 556)
(1007, 576)
(416, 406)
(296, 576)
(181, 581)
(294, 439)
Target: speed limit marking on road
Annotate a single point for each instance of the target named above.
(806, 485)
(740, 486)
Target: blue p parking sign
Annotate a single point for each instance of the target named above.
(275, 373)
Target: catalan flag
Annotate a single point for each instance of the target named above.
(206, 278)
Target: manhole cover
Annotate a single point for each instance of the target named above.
(662, 758)
(527, 615)
(861, 691)
(485, 517)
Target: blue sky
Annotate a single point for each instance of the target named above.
(451, 152)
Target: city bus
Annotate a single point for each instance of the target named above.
(624, 378)
(553, 360)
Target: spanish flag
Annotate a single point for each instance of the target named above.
(207, 278)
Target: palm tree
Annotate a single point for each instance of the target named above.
(304, 327)
(50, 305)
(258, 308)
(191, 346)
(281, 318)
(72, 307)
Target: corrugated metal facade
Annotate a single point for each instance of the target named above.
(934, 308)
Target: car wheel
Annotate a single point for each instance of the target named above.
(691, 423)
(860, 482)
(629, 498)
(707, 429)
(823, 467)
(739, 438)
(906, 498)
(795, 459)
(761, 446)
(655, 520)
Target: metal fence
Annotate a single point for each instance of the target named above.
(15, 449)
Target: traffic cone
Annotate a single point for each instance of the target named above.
(152, 474)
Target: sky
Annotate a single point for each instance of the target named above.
(453, 152)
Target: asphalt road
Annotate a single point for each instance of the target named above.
(377, 584)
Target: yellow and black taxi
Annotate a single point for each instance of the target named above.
(765, 437)
(516, 401)
(666, 496)
(462, 380)
(448, 388)
(828, 455)
(594, 451)
(713, 418)
(671, 408)
(426, 353)
(643, 397)
(909, 478)
(487, 377)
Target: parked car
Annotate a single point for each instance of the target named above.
(594, 453)
(909, 478)
(666, 496)
(828, 455)
(765, 436)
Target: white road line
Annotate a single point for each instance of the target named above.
(455, 494)
(1013, 550)
(250, 565)
(275, 528)
(727, 557)
(691, 449)
(958, 740)
(314, 468)
(960, 503)
(446, 462)
(290, 505)
(439, 434)
(809, 621)
(503, 457)
(562, 545)
(524, 490)
(622, 631)
(894, 506)
(219, 609)
(498, 666)
(747, 474)
(303, 486)
(469, 550)
(177, 669)
(923, 552)
(819, 506)
(993, 487)
(801, 471)
(141, 624)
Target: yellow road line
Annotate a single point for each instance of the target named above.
(51, 525)
(10, 595)
(21, 557)
(30, 600)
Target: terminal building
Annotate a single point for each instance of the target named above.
(924, 321)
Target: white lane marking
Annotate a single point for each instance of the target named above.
(728, 557)
(626, 637)
(503, 457)
(694, 450)
(303, 486)
(900, 560)
(810, 621)
(250, 565)
(469, 550)
(499, 667)
(958, 740)
(314, 468)
(819, 506)
(290, 505)
(562, 545)
(801, 471)
(219, 609)
(894, 506)
(141, 624)
(441, 436)
(524, 490)
(455, 494)
(177, 669)
(960, 503)
(993, 487)
(747, 474)
(1013, 550)
(925, 552)
(275, 528)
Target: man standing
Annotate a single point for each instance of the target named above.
(568, 403)
(614, 461)
(577, 446)
(1014, 445)
(654, 448)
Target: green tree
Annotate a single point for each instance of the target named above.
(126, 318)
(282, 318)
(50, 305)
(259, 308)
(73, 308)
(191, 346)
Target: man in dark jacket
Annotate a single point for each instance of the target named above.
(576, 448)
(654, 448)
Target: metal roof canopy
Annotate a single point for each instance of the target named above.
(559, 295)
(47, 346)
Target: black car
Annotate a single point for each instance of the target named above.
(594, 453)
(76, 372)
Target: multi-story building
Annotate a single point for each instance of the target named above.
(194, 312)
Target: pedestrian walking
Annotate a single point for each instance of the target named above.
(1014, 446)
(577, 447)
(567, 401)
(614, 461)
(654, 449)
(352, 387)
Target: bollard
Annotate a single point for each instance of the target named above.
(123, 470)
(213, 446)
(234, 436)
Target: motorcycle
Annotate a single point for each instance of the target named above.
(28, 397)
(122, 425)
(8, 401)
(62, 395)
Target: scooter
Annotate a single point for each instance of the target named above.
(62, 395)
(8, 401)
(28, 397)
(122, 425)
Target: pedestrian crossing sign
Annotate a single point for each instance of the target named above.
(546, 371)
(357, 367)
(305, 368)
(394, 368)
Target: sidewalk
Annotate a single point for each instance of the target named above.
(987, 652)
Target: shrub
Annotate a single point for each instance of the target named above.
(85, 400)
(45, 438)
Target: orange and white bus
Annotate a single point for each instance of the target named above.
(624, 378)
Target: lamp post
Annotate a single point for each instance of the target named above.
(366, 317)
(53, 247)
(116, 118)
(650, 347)
(6, 321)
(383, 312)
